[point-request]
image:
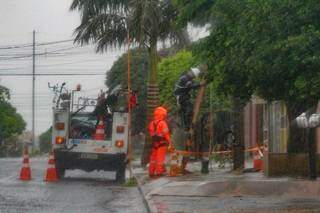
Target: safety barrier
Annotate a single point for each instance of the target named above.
(176, 170)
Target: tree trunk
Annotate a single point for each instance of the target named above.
(297, 141)
(152, 99)
(238, 129)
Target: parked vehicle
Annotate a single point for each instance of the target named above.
(95, 139)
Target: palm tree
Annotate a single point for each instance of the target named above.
(107, 22)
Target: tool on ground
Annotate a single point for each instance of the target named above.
(51, 174)
(25, 173)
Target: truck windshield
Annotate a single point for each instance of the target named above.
(83, 126)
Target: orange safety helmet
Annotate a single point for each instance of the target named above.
(160, 113)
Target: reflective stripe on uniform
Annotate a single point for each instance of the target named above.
(165, 131)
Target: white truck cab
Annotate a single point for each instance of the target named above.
(76, 147)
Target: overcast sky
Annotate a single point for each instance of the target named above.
(52, 21)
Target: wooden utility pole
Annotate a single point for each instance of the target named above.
(129, 108)
(196, 109)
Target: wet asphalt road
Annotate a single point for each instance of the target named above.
(78, 192)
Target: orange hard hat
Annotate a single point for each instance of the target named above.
(160, 112)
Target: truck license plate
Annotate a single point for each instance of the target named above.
(89, 156)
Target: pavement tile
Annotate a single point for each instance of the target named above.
(223, 191)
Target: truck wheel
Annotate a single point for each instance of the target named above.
(61, 172)
(121, 174)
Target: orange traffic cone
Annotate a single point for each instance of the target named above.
(51, 175)
(99, 135)
(257, 160)
(25, 173)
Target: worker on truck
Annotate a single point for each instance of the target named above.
(183, 87)
(160, 135)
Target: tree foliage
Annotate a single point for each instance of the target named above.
(45, 141)
(4, 93)
(269, 48)
(11, 122)
(197, 12)
(11, 125)
(106, 23)
(11, 147)
(117, 75)
(170, 69)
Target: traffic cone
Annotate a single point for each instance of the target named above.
(257, 160)
(25, 173)
(51, 174)
(99, 135)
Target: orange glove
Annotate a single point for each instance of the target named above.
(171, 148)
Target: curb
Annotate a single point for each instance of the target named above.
(145, 200)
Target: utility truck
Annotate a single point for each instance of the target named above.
(90, 133)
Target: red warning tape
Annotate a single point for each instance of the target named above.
(189, 153)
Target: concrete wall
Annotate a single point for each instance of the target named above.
(253, 124)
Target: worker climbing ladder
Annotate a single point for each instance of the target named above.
(190, 139)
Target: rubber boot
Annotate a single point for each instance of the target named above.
(205, 167)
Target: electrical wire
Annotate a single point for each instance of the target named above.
(37, 54)
(19, 46)
(52, 74)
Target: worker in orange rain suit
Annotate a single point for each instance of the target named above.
(160, 136)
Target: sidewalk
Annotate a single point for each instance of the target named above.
(223, 191)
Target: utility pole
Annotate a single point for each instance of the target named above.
(33, 84)
(129, 106)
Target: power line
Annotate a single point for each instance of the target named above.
(54, 54)
(50, 69)
(76, 62)
(54, 42)
(50, 74)
(23, 93)
(25, 51)
(47, 54)
(36, 54)
(19, 46)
